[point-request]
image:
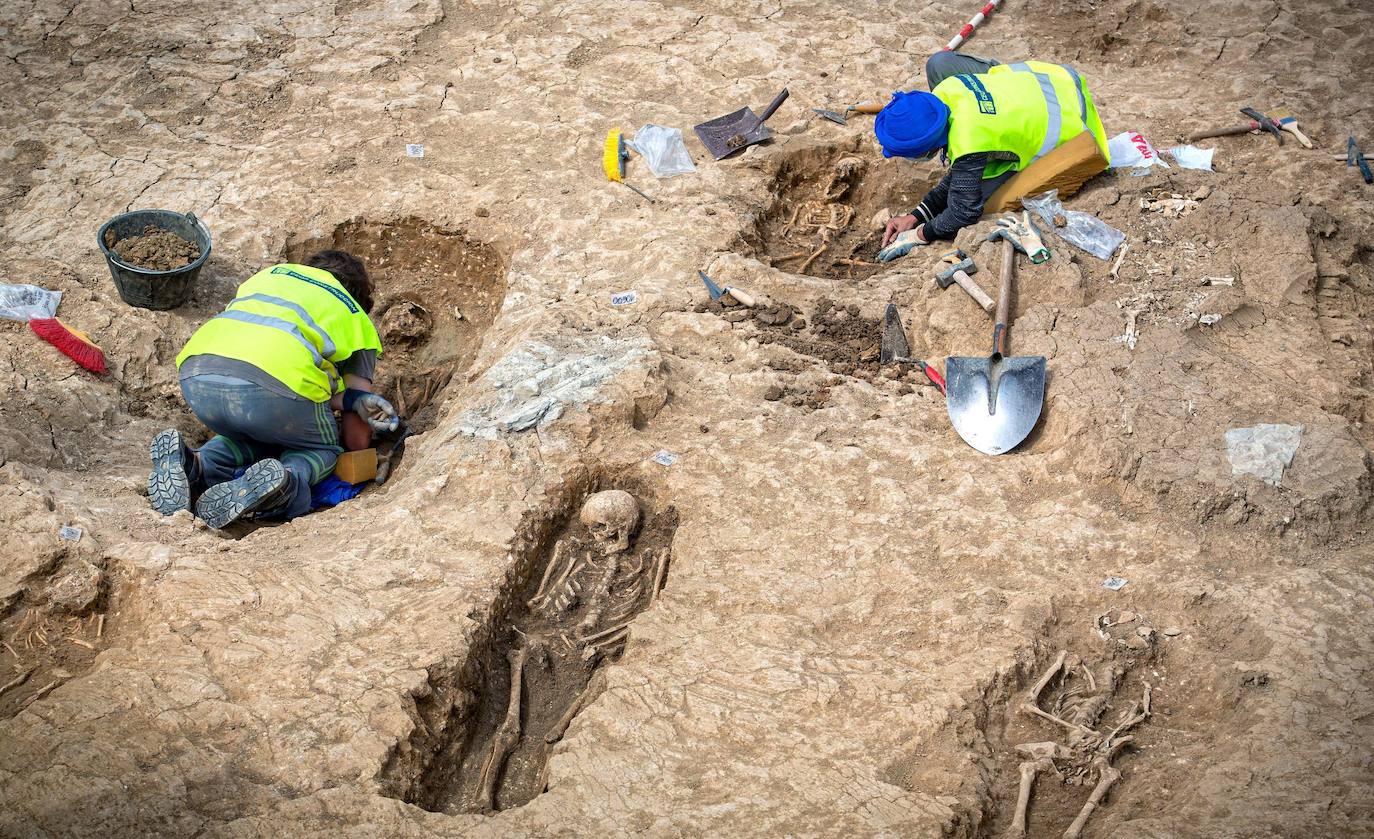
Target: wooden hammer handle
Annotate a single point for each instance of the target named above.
(1223, 132)
(975, 291)
(867, 107)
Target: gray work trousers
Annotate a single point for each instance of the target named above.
(942, 65)
(252, 423)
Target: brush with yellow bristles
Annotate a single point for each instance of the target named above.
(613, 157)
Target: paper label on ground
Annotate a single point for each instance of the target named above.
(624, 298)
(67, 533)
(1115, 583)
(415, 150)
(663, 457)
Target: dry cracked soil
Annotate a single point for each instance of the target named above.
(835, 609)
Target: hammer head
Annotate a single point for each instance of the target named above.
(956, 261)
(1264, 122)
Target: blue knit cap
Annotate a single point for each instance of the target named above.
(912, 124)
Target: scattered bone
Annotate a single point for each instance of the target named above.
(1217, 281)
(593, 690)
(507, 734)
(812, 258)
(880, 219)
(560, 551)
(16, 681)
(660, 570)
(614, 638)
(80, 643)
(1120, 258)
(604, 633)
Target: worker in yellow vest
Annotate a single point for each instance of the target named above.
(266, 375)
(991, 120)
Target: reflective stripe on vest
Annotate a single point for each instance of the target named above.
(290, 329)
(1056, 114)
(326, 343)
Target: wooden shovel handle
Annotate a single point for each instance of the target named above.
(999, 329)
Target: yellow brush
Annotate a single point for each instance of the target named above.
(613, 157)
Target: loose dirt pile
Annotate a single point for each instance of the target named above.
(855, 606)
(155, 249)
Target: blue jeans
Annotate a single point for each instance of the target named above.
(252, 424)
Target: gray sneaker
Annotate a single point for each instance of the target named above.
(169, 489)
(261, 487)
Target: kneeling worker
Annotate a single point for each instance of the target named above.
(991, 120)
(264, 375)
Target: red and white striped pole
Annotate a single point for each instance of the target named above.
(974, 22)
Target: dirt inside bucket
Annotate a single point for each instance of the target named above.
(155, 249)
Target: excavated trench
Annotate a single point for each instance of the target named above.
(821, 217)
(437, 290)
(486, 728)
(1199, 695)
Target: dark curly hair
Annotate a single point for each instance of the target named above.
(349, 271)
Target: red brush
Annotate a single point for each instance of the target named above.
(73, 343)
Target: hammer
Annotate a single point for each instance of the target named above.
(1258, 122)
(960, 266)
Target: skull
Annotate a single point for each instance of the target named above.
(611, 517)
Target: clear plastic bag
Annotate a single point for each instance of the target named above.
(26, 302)
(1082, 230)
(662, 148)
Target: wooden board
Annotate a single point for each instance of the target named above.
(1066, 169)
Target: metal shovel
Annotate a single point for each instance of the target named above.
(723, 136)
(994, 402)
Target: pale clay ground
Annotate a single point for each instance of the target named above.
(854, 595)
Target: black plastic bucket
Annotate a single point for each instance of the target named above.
(142, 287)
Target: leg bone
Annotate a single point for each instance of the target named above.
(507, 735)
(1107, 775)
(1029, 771)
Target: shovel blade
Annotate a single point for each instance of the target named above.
(994, 426)
(741, 126)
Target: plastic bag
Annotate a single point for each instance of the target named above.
(1130, 148)
(1192, 157)
(662, 148)
(26, 302)
(1082, 230)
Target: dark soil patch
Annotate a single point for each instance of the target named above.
(156, 249)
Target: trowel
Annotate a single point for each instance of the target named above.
(743, 297)
(843, 118)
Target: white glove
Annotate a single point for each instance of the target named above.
(902, 245)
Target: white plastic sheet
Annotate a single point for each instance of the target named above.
(1192, 157)
(26, 302)
(662, 148)
(1130, 148)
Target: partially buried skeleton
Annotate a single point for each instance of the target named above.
(1084, 756)
(608, 579)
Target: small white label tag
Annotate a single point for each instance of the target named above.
(67, 533)
(663, 457)
(415, 150)
(624, 298)
(1115, 583)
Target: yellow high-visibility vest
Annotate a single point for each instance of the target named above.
(1029, 109)
(294, 323)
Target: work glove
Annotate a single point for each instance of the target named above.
(902, 245)
(1023, 235)
(374, 409)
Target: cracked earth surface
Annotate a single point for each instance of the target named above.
(855, 598)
